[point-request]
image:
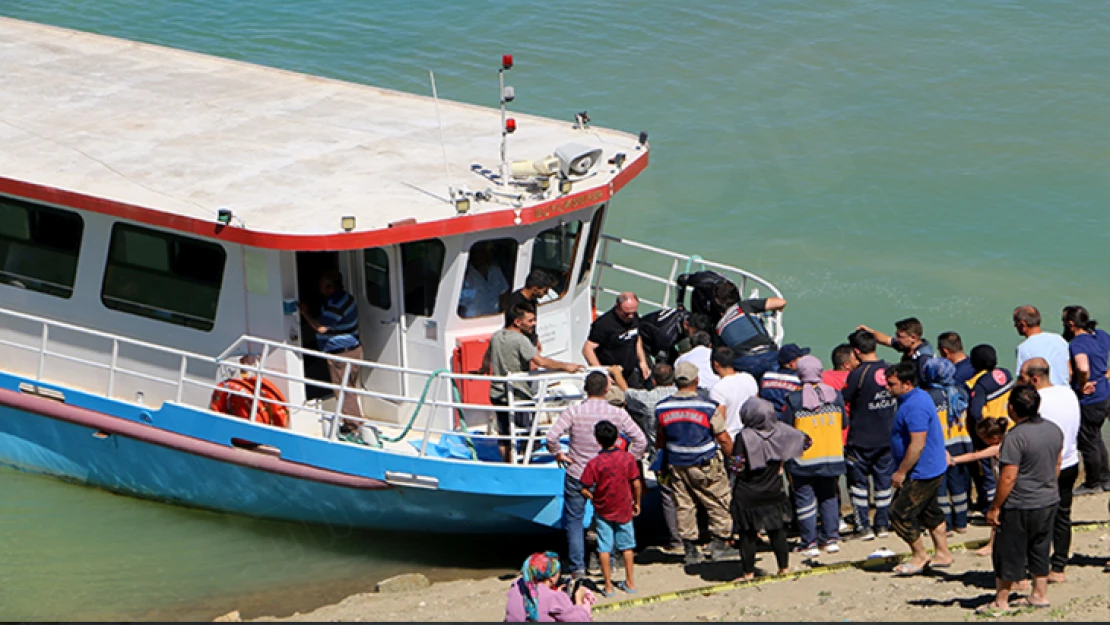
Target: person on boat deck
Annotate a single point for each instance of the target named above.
(337, 334)
(580, 421)
(483, 284)
(908, 340)
(951, 347)
(615, 340)
(510, 351)
(742, 329)
(693, 432)
(817, 410)
(536, 287)
(700, 355)
(536, 596)
(776, 385)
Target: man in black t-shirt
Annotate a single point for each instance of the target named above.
(536, 286)
(615, 340)
(867, 453)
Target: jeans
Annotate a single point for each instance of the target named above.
(1096, 464)
(574, 509)
(953, 496)
(1061, 529)
(982, 477)
(813, 497)
(877, 464)
(758, 364)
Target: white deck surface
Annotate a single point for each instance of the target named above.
(188, 134)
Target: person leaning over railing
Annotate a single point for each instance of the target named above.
(511, 351)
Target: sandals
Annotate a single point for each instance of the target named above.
(1024, 602)
(932, 565)
(623, 586)
(909, 570)
(991, 610)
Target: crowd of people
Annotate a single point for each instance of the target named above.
(757, 437)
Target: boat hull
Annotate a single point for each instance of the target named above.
(142, 460)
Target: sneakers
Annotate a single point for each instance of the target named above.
(809, 551)
(832, 547)
(1087, 490)
(865, 534)
(882, 531)
(672, 549)
(693, 554)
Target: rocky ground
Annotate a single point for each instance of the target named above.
(847, 595)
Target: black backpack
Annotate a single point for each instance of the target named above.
(660, 330)
(701, 285)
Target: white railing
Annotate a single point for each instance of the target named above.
(248, 356)
(670, 265)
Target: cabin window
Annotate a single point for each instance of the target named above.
(421, 269)
(39, 247)
(163, 276)
(376, 262)
(488, 279)
(553, 251)
(591, 244)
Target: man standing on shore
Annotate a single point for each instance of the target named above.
(867, 452)
(1052, 347)
(917, 444)
(615, 340)
(1024, 508)
(951, 347)
(1060, 406)
(692, 430)
(909, 340)
(580, 421)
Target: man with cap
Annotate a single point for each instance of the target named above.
(693, 432)
(776, 385)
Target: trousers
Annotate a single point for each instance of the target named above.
(953, 496)
(878, 465)
(817, 497)
(749, 540)
(706, 485)
(1096, 463)
(574, 510)
(1061, 528)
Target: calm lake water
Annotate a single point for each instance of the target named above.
(874, 160)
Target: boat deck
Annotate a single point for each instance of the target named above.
(186, 134)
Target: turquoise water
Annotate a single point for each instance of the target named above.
(874, 160)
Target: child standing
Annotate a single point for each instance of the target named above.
(616, 489)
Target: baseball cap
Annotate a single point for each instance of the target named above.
(685, 373)
(790, 352)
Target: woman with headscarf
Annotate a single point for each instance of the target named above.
(759, 501)
(817, 409)
(535, 596)
(938, 377)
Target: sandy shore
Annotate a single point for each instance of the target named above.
(847, 595)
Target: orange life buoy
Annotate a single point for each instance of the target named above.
(271, 403)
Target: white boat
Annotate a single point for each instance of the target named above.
(161, 212)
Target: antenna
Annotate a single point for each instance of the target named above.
(505, 94)
(442, 143)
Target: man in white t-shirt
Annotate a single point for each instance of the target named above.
(733, 389)
(699, 356)
(1060, 406)
(1038, 343)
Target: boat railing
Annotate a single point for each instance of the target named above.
(196, 377)
(552, 393)
(656, 270)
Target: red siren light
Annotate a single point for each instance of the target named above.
(510, 125)
(506, 61)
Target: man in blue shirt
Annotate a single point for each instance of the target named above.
(337, 334)
(917, 445)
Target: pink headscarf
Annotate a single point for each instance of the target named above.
(814, 392)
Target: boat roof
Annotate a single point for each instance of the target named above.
(170, 137)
